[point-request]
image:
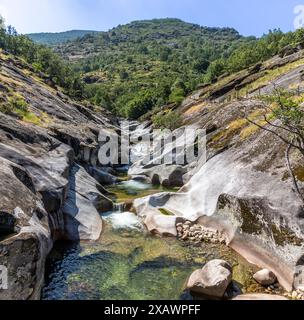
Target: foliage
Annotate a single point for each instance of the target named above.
(254, 51)
(42, 59)
(152, 56)
(139, 105)
(145, 64)
(165, 58)
(171, 120)
(289, 111)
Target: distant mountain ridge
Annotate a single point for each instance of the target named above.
(49, 38)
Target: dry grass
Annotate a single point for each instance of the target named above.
(271, 76)
(195, 109)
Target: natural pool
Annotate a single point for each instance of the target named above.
(127, 263)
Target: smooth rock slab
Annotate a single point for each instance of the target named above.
(81, 211)
(212, 281)
(265, 277)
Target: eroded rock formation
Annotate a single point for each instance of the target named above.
(244, 189)
(45, 192)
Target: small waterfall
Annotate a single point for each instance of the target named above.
(119, 207)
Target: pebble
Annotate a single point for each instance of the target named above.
(295, 295)
(197, 233)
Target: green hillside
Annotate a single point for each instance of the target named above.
(147, 63)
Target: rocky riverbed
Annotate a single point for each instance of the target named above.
(53, 188)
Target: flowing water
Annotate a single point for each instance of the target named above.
(127, 263)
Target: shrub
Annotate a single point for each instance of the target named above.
(177, 96)
(172, 120)
(138, 106)
(17, 103)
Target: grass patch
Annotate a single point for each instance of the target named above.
(231, 130)
(270, 76)
(167, 120)
(195, 109)
(252, 129)
(17, 105)
(299, 173)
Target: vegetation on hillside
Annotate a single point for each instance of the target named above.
(143, 65)
(146, 64)
(42, 59)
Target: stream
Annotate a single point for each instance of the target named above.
(128, 263)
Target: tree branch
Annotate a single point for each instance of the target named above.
(294, 179)
(273, 132)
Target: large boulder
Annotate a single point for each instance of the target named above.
(25, 235)
(169, 176)
(212, 281)
(160, 224)
(101, 175)
(265, 277)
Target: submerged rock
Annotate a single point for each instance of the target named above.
(212, 281)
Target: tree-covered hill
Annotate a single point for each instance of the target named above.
(147, 63)
(48, 38)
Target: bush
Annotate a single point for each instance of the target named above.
(172, 120)
(138, 106)
(17, 104)
(177, 96)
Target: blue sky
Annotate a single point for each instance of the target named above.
(249, 17)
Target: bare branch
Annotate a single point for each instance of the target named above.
(294, 179)
(273, 132)
(279, 127)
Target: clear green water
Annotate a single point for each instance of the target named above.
(127, 265)
(130, 264)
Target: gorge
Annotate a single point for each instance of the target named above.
(71, 228)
